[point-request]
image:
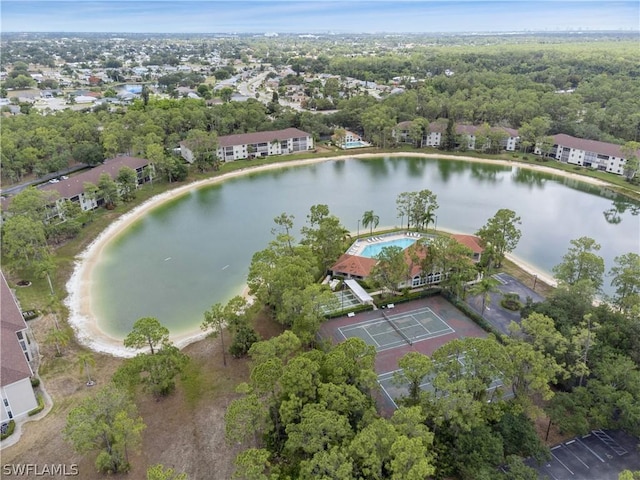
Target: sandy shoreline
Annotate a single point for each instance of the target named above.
(84, 321)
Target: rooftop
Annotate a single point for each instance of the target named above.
(14, 365)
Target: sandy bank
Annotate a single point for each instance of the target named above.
(79, 286)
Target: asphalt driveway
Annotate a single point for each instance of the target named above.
(494, 313)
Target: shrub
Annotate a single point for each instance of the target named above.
(242, 341)
(8, 431)
(35, 382)
(30, 314)
(511, 301)
(39, 408)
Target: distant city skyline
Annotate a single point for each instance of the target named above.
(310, 16)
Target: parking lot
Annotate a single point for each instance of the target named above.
(494, 313)
(600, 455)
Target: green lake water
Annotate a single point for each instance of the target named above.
(195, 251)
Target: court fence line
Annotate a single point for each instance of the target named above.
(394, 326)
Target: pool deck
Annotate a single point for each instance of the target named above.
(356, 144)
(359, 245)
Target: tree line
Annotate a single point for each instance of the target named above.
(522, 92)
(308, 409)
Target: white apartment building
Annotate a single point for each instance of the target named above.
(18, 398)
(435, 135)
(263, 144)
(603, 156)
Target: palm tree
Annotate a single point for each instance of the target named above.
(485, 287)
(86, 361)
(59, 338)
(429, 217)
(370, 219)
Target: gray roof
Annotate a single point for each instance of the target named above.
(74, 185)
(261, 137)
(14, 366)
(460, 128)
(594, 146)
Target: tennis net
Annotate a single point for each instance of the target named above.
(395, 327)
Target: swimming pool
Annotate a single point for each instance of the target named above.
(371, 251)
(357, 144)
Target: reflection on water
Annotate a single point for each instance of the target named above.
(210, 235)
(528, 177)
(612, 216)
(620, 207)
(447, 169)
(488, 173)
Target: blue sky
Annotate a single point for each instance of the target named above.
(310, 16)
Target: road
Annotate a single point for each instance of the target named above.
(13, 189)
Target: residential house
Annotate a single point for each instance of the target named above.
(603, 156)
(16, 391)
(262, 144)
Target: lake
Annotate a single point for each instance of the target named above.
(194, 251)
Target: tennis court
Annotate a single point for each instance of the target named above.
(389, 331)
(393, 390)
(421, 325)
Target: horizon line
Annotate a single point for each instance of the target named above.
(330, 32)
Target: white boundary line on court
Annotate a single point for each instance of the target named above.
(408, 315)
(388, 375)
(360, 326)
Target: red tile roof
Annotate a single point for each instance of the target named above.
(354, 265)
(361, 266)
(413, 256)
(261, 137)
(470, 241)
(14, 366)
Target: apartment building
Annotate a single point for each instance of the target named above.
(603, 156)
(467, 133)
(263, 144)
(18, 398)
